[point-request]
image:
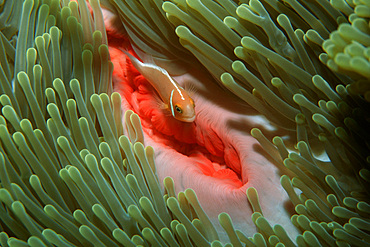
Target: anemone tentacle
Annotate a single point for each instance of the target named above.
(70, 177)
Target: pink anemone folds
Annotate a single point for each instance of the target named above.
(215, 155)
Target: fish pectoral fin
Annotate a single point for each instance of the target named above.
(160, 104)
(163, 106)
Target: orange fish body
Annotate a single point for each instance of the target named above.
(174, 97)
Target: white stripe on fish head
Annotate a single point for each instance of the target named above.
(171, 104)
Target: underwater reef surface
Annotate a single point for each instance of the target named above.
(280, 141)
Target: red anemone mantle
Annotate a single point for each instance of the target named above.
(215, 155)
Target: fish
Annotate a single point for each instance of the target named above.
(174, 97)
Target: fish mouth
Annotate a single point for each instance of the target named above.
(215, 155)
(188, 119)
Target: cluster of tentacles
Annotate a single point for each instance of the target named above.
(68, 175)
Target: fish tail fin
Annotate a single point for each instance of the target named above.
(135, 61)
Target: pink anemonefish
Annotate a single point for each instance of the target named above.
(174, 97)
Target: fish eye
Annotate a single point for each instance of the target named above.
(178, 109)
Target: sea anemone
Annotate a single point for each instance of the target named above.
(73, 175)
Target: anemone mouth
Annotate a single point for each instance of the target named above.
(208, 160)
